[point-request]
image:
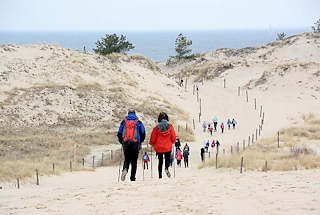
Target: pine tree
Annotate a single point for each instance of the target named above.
(113, 43)
(181, 46)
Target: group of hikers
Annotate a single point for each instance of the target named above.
(208, 126)
(205, 147)
(132, 133)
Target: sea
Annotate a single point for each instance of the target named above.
(156, 45)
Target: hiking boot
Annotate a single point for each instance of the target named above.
(123, 174)
(168, 173)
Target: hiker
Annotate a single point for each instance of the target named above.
(207, 145)
(209, 126)
(181, 83)
(215, 122)
(222, 127)
(146, 160)
(213, 143)
(202, 154)
(204, 125)
(186, 158)
(197, 86)
(217, 144)
(162, 138)
(131, 134)
(229, 124)
(211, 130)
(234, 123)
(177, 144)
(186, 147)
(179, 157)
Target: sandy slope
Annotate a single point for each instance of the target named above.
(285, 95)
(192, 191)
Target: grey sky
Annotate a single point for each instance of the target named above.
(151, 15)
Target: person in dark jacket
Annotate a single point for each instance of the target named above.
(186, 158)
(177, 144)
(186, 147)
(131, 144)
(162, 138)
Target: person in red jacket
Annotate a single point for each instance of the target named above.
(162, 138)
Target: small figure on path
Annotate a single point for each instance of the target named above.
(179, 157)
(229, 123)
(204, 125)
(162, 138)
(197, 86)
(186, 158)
(131, 134)
(215, 122)
(234, 123)
(211, 130)
(177, 144)
(213, 143)
(146, 160)
(181, 83)
(186, 147)
(207, 145)
(222, 127)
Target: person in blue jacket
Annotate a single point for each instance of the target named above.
(229, 123)
(131, 134)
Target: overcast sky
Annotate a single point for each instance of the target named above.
(153, 15)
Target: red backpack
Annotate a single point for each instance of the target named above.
(130, 132)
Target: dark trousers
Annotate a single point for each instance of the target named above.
(222, 129)
(131, 153)
(166, 160)
(186, 162)
(145, 164)
(215, 126)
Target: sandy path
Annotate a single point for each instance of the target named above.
(192, 191)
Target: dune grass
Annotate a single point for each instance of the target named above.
(297, 150)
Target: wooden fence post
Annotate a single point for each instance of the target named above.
(102, 159)
(249, 140)
(194, 127)
(266, 166)
(70, 166)
(178, 128)
(278, 139)
(37, 175)
(199, 117)
(238, 91)
(255, 103)
(93, 161)
(216, 160)
(262, 118)
(256, 134)
(186, 83)
(193, 90)
(260, 111)
(197, 95)
(53, 168)
(247, 95)
(224, 151)
(241, 164)
(224, 83)
(18, 183)
(82, 162)
(111, 155)
(231, 150)
(238, 148)
(252, 137)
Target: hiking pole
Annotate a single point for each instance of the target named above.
(174, 163)
(151, 162)
(120, 164)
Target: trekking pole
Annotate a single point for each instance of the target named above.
(174, 163)
(120, 164)
(151, 162)
(143, 170)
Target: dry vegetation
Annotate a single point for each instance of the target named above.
(299, 149)
(24, 150)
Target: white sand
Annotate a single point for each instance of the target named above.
(194, 191)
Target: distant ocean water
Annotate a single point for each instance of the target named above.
(156, 45)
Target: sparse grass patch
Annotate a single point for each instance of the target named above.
(295, 151)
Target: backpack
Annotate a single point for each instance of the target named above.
(130, 132)
(145, 157)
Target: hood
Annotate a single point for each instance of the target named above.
(131, 116)
(163, 126)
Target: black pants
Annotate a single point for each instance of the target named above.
(222, 130)
(215, 126)
(186, 162)
(166, 160)
(131, 153)
(145, 164)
